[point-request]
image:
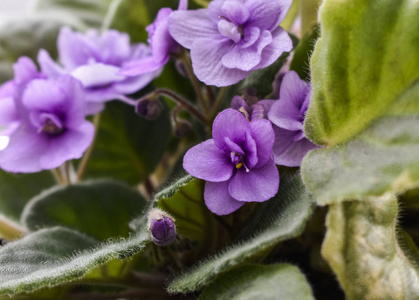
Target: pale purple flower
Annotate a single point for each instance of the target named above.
(95, 60)
(231, 38)
(161, 44)
(52, 126)
(287, 115)
(237, 163)
(25, 71)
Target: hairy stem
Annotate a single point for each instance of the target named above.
(9, 230)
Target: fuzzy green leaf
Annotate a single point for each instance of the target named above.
(385, 157)
(363, 65)
(281, 218)
(372, 258)
(101, 209)
(282, 281)
(55, 256)
(128, 147)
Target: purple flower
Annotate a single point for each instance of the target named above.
(287, 115)
(161, 44)
(25, 71)
(232, 38)
(95, 60)
(162, 227)
(52, 126)
(237, 163)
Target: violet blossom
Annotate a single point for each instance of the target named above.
(52, 127)
(237, 163)
(162, 227)
(161, 44)
(231, 38)
(287, 115)
(95, 59)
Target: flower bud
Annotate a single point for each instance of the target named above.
(162, 227)
(182, 128)
(149, 108)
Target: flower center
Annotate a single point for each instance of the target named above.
(51, 128)
(230, 29)
(238, 160)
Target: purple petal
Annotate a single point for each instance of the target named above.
(183, 5)
(267, 104)
(267, 15)
(264, 136)
(207, 63)
(247, 58)
(141, 66)
(187, 26)
(114, 46)
(257, 185)
(48, 65)
(8, 111)
(218, 199)
(250, 36)
(160, 40)
(69, 145)
(25, 70)
(7, 89)
(207, 162)
(251, 151)
(44, 95)
(93, 108)
(235, 11)
(288, 152)
(281, 42)
(229, 124)
(294, 89)
(233, 147)
(23, 152)
(136, 83)
(75, 49)
(96, 75)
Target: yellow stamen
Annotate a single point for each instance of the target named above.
(239, 165)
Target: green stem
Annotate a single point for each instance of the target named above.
(58, 176)
(9, 230)
(195, 82)
(218, 101)
(86, 157)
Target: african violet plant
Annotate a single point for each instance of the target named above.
(229, 149)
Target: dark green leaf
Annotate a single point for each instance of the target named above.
(101, 209)
(279, 219)
(363, 64)
(17, 190)
(128, 147)
(282, 281)
(371, 257)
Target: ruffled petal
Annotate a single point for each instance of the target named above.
(251, 151)
(264, 136)
(141, 66)
(231, 124)
(288, 152)
(285, 114)
(267, 15)
(48, 66)
(25, 70)
(235, 11)
(186, 26)
(293, 89)
(23, 152)
(8, 111)
(218, 199)
(281, 42)
(257, 185)
(69, 145)
(247, 58)
(207, 63)
(96, 75)
(136, 83)
(207, 162)
(44, 95)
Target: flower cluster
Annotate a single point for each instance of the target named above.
(248, 140)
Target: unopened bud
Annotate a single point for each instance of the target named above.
(182, 128)
(162, 227)
(149, 108)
